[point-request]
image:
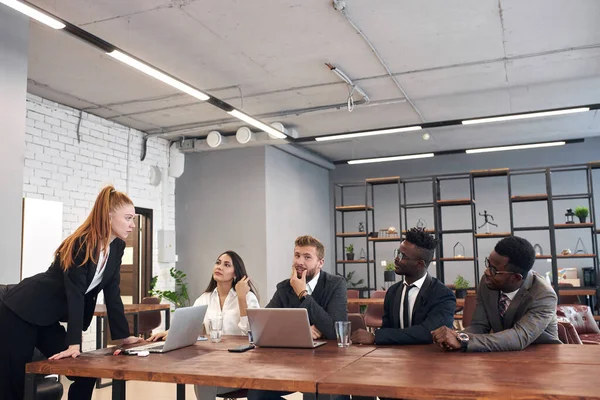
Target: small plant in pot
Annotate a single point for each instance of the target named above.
(350, 252)
(461, 285)
(582, 213)
(389, 275)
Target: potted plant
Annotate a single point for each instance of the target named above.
(461, 285)
(349, 282)
(389, 275)
(350, 252)
(582, 213)
(179, 297)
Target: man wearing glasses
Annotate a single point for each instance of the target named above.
(418, 304)
(515, 306)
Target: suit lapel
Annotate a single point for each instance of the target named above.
(519, 300)
(319, 291)
(492, 308)
(110, 266)
(421, 298)
(396, 306)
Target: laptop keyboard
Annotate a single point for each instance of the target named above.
(152, 346)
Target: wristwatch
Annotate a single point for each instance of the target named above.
(463, 338)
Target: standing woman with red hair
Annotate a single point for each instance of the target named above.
(85, 263)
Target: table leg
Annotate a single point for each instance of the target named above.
(118, 389)
(98, 333)
(167, 318)
(102, 343)
(99, 340)
(30, 387)
(180, 391)
(105, 333)
(136, 324)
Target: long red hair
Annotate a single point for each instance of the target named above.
(94, 233)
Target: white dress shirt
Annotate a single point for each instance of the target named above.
(310, 286)
(233, 324)
(412, 297)
(100, 267)
(510, 296)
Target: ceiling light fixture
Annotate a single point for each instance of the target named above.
(257, 124)
(33, 13)
(156, 74)
(516, 147)
(394, 158)
(369, 133)
(525, 116)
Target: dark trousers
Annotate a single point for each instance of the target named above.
(18, 338)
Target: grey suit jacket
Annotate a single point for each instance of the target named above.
(327, 304)
(530, 318)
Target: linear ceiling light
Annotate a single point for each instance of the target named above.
(394, 158)
(369, 133)
(525, 116)
(517, 147)
(161, 76)
(33, 13)
(257, 124)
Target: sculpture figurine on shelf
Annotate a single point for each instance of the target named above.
(566, 252)
(363, 254)
(569, 216)
(580, 249)
(361, 226)
(538, 249)
(487, 222)
(421, 224)
(461, 250)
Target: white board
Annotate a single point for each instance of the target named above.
(42, 234)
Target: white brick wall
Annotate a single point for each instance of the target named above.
(58, 167)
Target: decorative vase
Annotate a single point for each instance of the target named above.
(582, 220)
(459, 250)
(461, 293)
(349, 256)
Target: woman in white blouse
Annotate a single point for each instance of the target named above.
(229, 294)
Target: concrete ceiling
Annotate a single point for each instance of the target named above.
(453, 60)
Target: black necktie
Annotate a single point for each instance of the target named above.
(405, 313)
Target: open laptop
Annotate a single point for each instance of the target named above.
(186, 325)
(281, 327)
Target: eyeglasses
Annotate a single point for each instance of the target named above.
(493, 270)
(398, 255)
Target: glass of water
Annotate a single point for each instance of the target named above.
(215, 327)
(342, 331)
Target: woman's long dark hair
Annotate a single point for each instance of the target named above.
(239, 271)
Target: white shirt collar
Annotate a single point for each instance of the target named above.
(231, 292)
(511, 295)
(310, 286)
(419, 283)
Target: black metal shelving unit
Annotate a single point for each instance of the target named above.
(341, 210)
(438, 204)
(441, 204)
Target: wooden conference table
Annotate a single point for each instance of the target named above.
(415, 372)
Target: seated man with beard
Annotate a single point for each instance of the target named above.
(323, 295)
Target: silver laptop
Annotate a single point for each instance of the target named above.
(281, 327)
(186, 325)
